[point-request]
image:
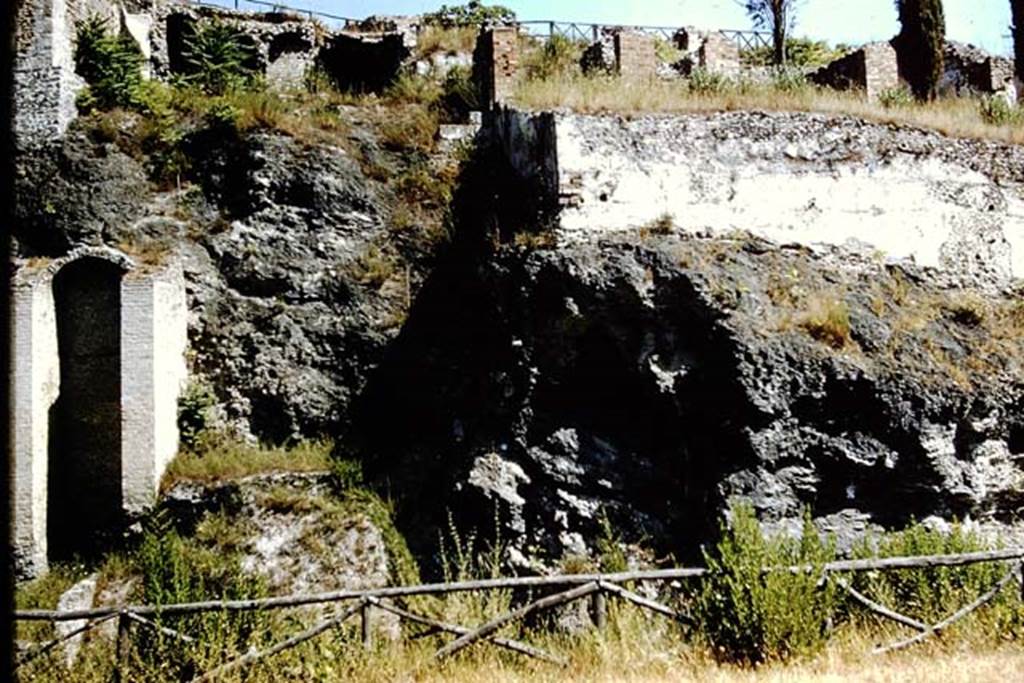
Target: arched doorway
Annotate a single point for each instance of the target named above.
(84, 496)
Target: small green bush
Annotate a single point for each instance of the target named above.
(219, 58)
(704, 82)
(789, 80)
(933, 593)
(110, 64)
(175, 570)
(458, 95)
(194, 412)
(752, 617)
(997, 111)
(473, 13)
(558, 56)
(896, 97)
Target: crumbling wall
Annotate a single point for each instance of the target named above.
(363, 63)
(718, 54)
(872, 69)
(970, 69)
(954, 205)
(496, 64)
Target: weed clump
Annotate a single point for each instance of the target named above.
(828, 321)
(750, 616)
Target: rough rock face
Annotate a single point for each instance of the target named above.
(651, 379)
(275, 237)
(295, 534)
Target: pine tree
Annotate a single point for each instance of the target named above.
(920, 45)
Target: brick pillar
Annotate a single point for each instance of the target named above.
(153, 342)
(881, 72)
(719, 55)
(496, 64)
(634, 55)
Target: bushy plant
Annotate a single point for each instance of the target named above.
(558, 56)
(789, 80)
(932, 593)
(218, 57)
(176, 570)
(473, 13)
(194, 412)
(896, 97)
(459, 94)
(704, 82)
(800, 52)
(997, 111)
(111, 65)
(751, 616)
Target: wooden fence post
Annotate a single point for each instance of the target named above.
(123, 648)
(599, 608)
(366, 624)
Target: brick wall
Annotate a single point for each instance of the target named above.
(719, 55)
(496, 64)
(634, 55)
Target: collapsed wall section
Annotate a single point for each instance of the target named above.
(954, 205)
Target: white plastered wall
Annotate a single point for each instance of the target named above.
(34, 378)
(153, 340)
(153, 372)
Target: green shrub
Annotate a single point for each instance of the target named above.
(458, 94)
(997, 111)
(932, 593)
(473, 13)
(896, 97)
(176, 570)
(110, 64)
(558, 56)
(789, 80)
(704, 82)
(218, 58)
(750, 616)
(800, 52)
(194, 412)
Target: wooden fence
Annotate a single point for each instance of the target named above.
(595, 587)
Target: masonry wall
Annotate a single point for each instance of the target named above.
(34, 377)
(806, 179)
(496, 64)
(153, 341)
(634, 55)
(872, 69)
(718, 54)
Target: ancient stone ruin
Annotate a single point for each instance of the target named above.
(871, 69)
(98, 359)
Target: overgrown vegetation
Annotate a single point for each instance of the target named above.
(217, 456)
(218, 57)
(472, 13)
(800, 52)
(110, 63)
(752, 616)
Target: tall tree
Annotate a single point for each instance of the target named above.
(1017, 8)
(777, 16)
(921, 44)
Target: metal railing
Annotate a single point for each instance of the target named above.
(595, 587)
(539, 29)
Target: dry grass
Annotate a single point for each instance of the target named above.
(219, 458)
(434, 39)
(954, 117)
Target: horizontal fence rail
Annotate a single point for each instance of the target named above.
(879, 564)
(595, 587)
(541, 29)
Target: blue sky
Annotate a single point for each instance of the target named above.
(982, 22)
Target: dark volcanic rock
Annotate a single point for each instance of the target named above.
(651, 381)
